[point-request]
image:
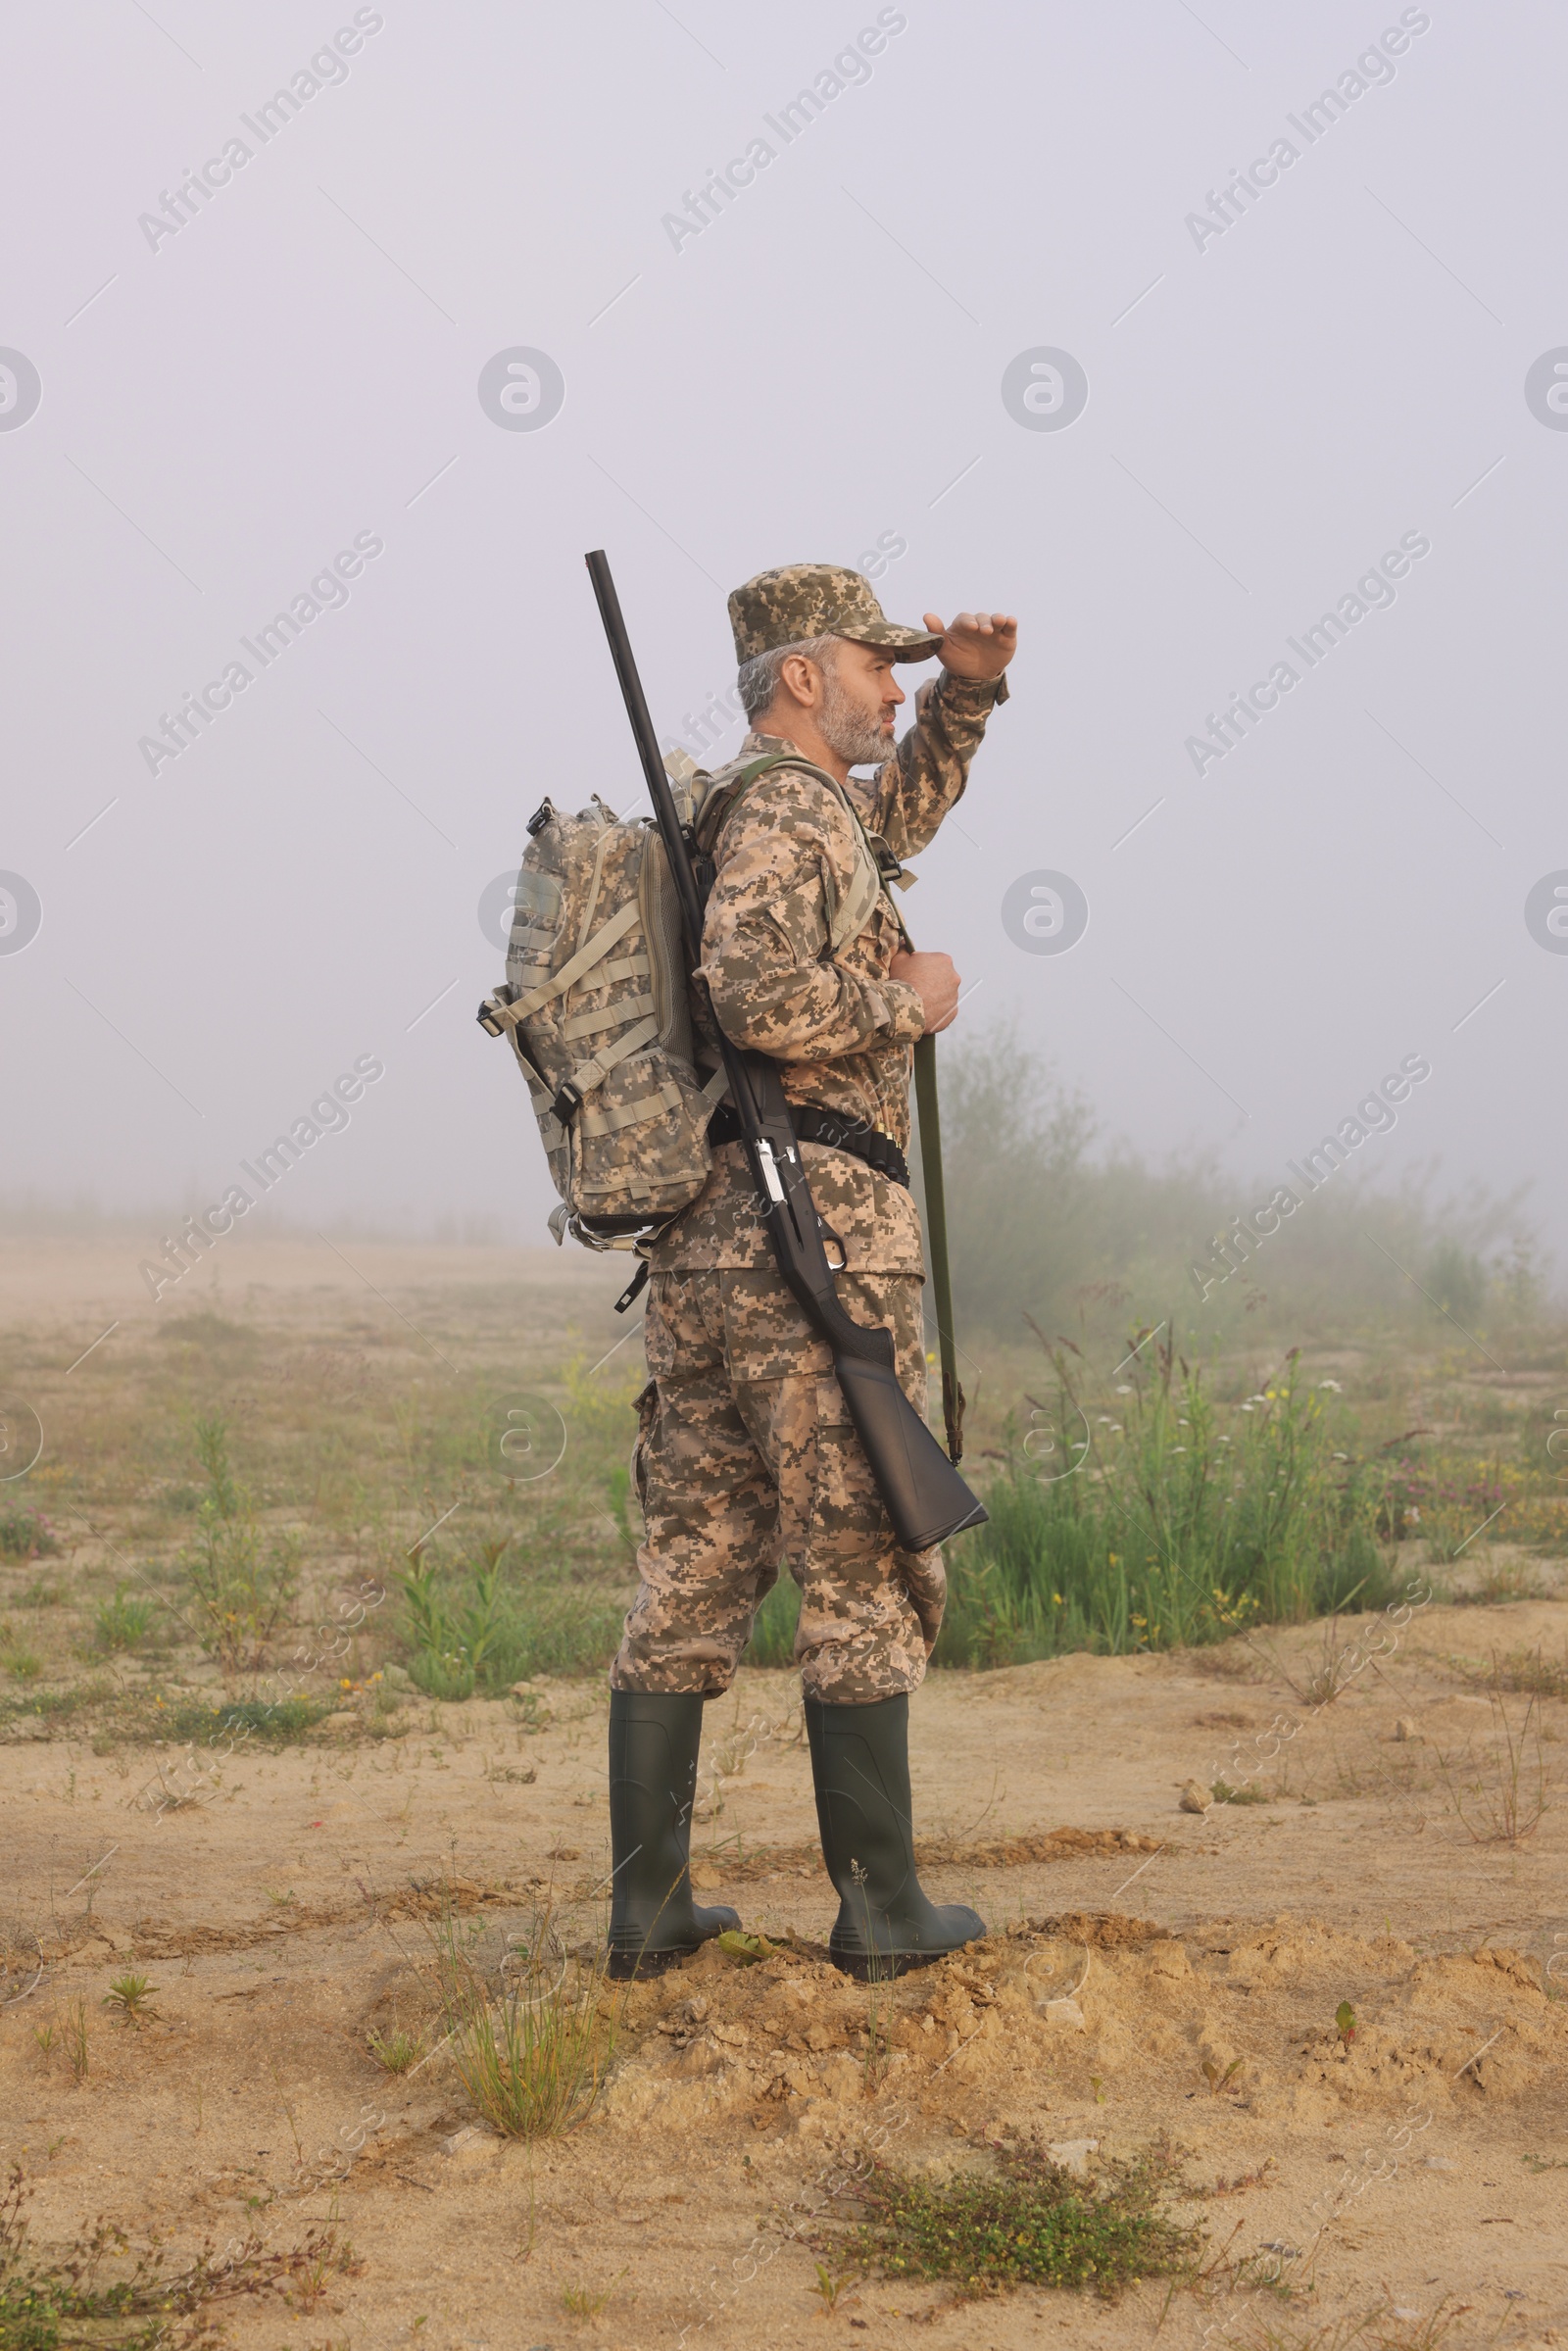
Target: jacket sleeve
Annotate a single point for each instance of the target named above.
(765, 936)
(926, 775)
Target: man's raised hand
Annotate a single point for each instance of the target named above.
(975, 644)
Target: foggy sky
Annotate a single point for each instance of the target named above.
(813, 371)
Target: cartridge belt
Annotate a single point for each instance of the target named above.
(830, 1127)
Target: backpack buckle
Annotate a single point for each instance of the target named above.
(488, 1014)
(569, 1101)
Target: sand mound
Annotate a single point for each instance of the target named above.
(1042, 2014)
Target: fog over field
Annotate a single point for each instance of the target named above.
(1226, 347)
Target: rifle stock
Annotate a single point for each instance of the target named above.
(925, 1497)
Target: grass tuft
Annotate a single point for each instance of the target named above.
(242, 1591)
(130, 1998)
(271, 1721)
(1530, 1672)
(123, 1622)
(531, 2057)
(396, 2050)
(75, 2034)
(1032, 2222)
(1502, 1795)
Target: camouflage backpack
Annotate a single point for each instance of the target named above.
(597, 1011)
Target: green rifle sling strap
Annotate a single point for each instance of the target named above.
(936, 1218)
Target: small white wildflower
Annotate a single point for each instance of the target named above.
(1123, 1389)
(1334, 1384)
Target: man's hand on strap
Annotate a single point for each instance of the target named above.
(935, 983)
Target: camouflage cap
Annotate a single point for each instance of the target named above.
(817, 600)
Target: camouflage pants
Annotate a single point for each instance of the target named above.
(745, 1455)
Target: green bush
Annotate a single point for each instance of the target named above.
(25, 1534)
(469, 1629)
(271, 1721)
(1179, 1523)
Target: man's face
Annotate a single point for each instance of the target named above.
(859, 697)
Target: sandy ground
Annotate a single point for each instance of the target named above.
(1150, 1972)
(79, 1286)
(282, 1918)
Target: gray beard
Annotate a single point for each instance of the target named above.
(858, 740)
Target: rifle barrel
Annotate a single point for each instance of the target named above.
(642, 727)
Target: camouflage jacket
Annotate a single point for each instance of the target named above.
(840, 1026)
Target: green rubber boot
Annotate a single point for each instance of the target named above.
(860, 1763)
(654, 1738)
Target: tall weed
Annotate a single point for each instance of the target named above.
(1173, 1520)
(243, 1587)
(532, 2055)
(471, 1627)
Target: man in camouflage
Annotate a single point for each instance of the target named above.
(745, 1454)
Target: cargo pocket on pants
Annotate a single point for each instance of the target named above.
(646, 1409)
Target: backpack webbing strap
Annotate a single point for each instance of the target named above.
(589, 1074)
(570, 972)
(586, 1025)
(630, 1114)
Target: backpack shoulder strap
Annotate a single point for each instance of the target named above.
(718, 809)
(847, 916)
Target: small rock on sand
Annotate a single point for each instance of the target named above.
(1195, 1798)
